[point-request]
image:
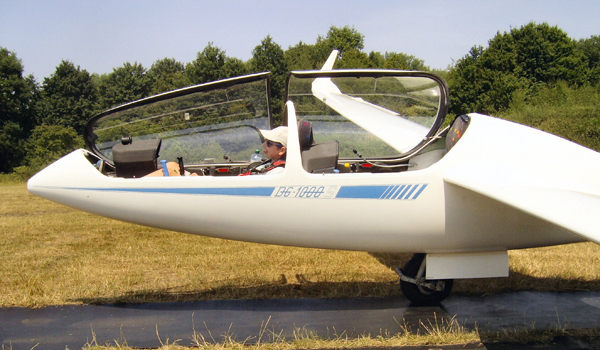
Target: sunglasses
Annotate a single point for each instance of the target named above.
(271, 144)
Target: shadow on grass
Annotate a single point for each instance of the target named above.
(307, 289)
(272, 290)
(264, 291)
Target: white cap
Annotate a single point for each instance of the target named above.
(279, 135)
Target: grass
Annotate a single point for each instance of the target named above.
(52, 255)
(437, 332)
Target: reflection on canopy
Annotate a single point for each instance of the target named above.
(196, 125)
(382, 115)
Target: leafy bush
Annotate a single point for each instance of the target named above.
(570, 112)
(49, 143)
(524, 59)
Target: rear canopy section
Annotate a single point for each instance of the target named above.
(381, 113)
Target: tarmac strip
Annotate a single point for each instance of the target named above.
(151, 325)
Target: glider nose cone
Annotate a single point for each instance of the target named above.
(33, 183)
(39, 183)
(65, 172)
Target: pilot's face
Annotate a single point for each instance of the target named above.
(273, 150)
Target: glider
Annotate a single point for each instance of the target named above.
(369, 167)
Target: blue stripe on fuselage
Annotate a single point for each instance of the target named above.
(224, 191)
(406, 192)
(387, 192)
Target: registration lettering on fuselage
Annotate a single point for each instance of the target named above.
(318, 192)
(386, 192)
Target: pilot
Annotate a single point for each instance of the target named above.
(275, 148)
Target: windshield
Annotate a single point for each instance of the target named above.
(378, 113)
(214, 120)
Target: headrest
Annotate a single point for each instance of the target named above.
(305, 134)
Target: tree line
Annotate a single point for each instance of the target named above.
(40, 122)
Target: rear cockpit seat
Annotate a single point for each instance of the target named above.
(437, 150)
(320, 157)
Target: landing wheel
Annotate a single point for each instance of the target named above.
(419, 290)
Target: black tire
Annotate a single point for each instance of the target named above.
(421, 295)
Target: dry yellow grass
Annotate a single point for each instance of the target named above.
(438, 331)
(437, 334)
(51, 254)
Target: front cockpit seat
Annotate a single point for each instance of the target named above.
(136, 158)
(320, 157)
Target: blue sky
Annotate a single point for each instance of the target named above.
(101, 35)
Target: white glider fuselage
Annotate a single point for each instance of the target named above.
(431, 210)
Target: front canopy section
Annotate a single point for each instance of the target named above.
(381, 113)
(196, 123)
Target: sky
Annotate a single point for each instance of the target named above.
(102, 35)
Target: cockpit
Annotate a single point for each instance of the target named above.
(347, 121)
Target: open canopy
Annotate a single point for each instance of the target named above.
(380, 113)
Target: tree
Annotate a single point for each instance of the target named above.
(343, 39)
(300, 57)
(51, 142)
(269, 56)
(524, 58)
(234, 67)
(591, 52)
(18, 97)
(377, 59)
(11, 146)
(69, 97)
(538, 52)
(465, 80)
(354, 58)
(213, 64)
(208, 65)
(167, 74)
(394, 60)
(124, 84)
